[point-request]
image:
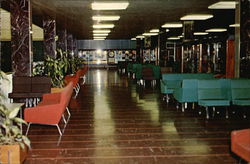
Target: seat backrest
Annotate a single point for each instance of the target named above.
(240, 89)
(210, 90)
(147, 72)
(21, 84)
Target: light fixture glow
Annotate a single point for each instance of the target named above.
(150, 34)
(101, 34)
(109, 5)
(173, 38)
(99, 37)
(200, 33)
(103, 26)
(105, 18)
(234, 25)
(167, 30)
(197, 17)
(172, 25)
(140, 36)
(101, 31)
(154, 31)
(223, 5)
(216, 30)
(133, 38)
(180, 36)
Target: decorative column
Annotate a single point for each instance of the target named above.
(62, 40)
(242, 36)
(75, 46)
(49, 28)
(21, 42)
(70, 44)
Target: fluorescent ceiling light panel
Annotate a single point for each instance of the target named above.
(103, 26)
(172, 25)
(197, 17)
(223, 5)
(100, 34)
(133, 39)
(109, 5)
(105, 18)
(101, 31)
(200, 33)
(234, 25)
(99, 37)
(173, 38)
(150, 34)
(154, 30)
(216, 30)
(140, 36)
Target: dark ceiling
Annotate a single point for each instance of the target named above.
(139, 17)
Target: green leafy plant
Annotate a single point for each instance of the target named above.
(38, 69)
(10, 128)
(57, 68)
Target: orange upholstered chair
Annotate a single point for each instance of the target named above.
(51, 109)
(240, 143)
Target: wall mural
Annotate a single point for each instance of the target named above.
(106, 56)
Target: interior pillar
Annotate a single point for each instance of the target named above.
(62, 40)
(70, 44)
(21, 42)
(49, 28)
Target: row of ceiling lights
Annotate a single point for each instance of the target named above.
(167, 26)
(101, 31)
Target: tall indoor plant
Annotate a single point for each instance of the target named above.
(13, 144)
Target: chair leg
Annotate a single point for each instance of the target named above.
(28, 128)
(69, 114)
(64, 120)
(183, 107)
(213, 111)
(227, 115)
(207, 112)
(59, 130)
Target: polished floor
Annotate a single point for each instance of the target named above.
(116, 122)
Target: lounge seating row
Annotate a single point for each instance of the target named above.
(144, 72)
(211, 92)
(75, 79)
(172, 81)
(51, 109)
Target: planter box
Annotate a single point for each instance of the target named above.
(12, 154)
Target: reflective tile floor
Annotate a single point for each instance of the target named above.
(116, 122)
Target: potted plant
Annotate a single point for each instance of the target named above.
(13, 144)
(56, 68)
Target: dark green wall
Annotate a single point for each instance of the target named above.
(6, 54)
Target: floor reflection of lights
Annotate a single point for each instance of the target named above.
(104, 128)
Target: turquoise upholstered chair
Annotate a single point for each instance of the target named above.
(188, 93)
(213, 93)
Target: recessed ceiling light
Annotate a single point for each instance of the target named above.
(150, 34)
(101, 34)
(200, 33)
(223, 5)
(172, 25)
(133, 39)
(140, 36)
(234, 25)
(109, 5)
(105, 18)
(154, 30)
(99, 37)
(101, 31)
(104, 26)
(216, 30)
(167, 30)
(197, 17)
(173, 38)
